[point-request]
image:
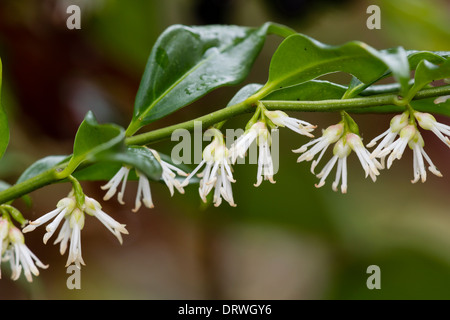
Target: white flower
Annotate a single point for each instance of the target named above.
(428, 122)
(281, 119)
(20, 256)
(216, 174)
(410, 136)
(74, 216)
(341, 151)
(329, 136)
(261, 134)
(370, 165)
(168, 175)
(120, 176)
(396, 148)
(4, 226)
(441, 99)
(144, 193)
(417, 144)
(93, 208)
(64, 207)
(265, 163)
(76, 224)
(241, 145)
(397, 123)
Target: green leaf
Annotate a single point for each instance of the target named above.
(436, 57)
(4, 127)
(414, 58)
(300, 58)
(312, 90)
(4, 185)
(93, 140)
(244, 93)
(426, 73)
(140, 158)
(188, 62)
(41, 166)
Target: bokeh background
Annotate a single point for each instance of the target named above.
(283, 241)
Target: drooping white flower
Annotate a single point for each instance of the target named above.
(416, 144)
(111, 186)
(281, 119)
(168, 174)
(343, 147)
(410, 136)
(93, 208)
(74, 219)
(395, 149)
(329, 136)
(21, 257)
(397, 123)
(428, 122)
(265, 162)
(76, 223)
(4, 226)
(370, 165)
(341, 151)
(64, 207)
(217, 173)
(241, 145)
(144, 192)
(258, 132)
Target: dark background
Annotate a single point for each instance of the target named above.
(283, 241)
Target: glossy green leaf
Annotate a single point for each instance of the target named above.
(244, 93)
(426, 73)
(93, 140)
(300, 58)
(4, 127)
(41, 166)
(414, 58)
(436, 57)
(312, 90)
(188, 62)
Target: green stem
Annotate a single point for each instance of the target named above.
(206, 121)
(27, 186)
(349, 105)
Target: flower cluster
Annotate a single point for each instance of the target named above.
(404, 127)
(218, 159)
(14, 250)
(73, 214)
(403, 132)
(345, 142)
(217, 173)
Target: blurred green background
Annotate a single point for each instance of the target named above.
(283, 241)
